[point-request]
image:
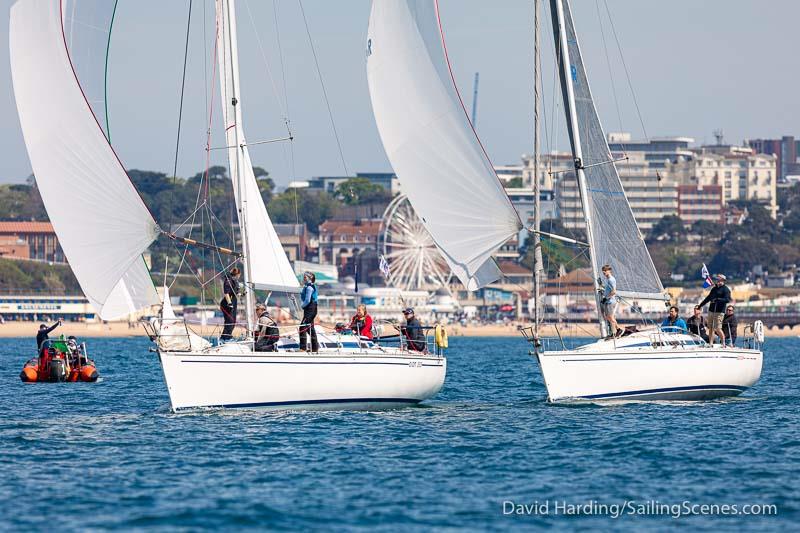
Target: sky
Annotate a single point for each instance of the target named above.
(695, 67)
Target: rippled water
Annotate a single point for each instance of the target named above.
(111, 455)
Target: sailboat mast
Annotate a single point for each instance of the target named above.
(538, 267)
(238, 162)
(572, 117)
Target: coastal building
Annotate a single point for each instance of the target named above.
(700, 202)
(39, 236)
(12, 247)
(340, 240)
(741, 173)
(508, 173)
(43, 308)
(786, 151)
(642, 167)
(294, 239)
(387, 180)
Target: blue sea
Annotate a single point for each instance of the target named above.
(110, 455)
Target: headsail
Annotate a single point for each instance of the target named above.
(615, 237)
(101, 221)
(430, 142)
(269, 267)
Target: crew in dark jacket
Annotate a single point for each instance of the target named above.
(308, 301)
(697, 324)
(228, 304)
(720, 297)
(413, 331)
(267, 333)
(729, 325)
(41, 335)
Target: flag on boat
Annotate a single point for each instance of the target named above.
(706, 277)
(383, 265)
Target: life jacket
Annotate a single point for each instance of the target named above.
(313, 291)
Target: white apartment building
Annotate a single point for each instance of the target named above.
(742, 174)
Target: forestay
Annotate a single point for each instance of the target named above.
(102, 223)
(269, 268)
(615, 237)
(430, 142)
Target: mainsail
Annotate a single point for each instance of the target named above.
(101, 221)
(614, 235)
(430, 142)
(268, 265)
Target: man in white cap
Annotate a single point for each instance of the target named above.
(720, 297)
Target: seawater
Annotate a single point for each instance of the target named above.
(110, 455)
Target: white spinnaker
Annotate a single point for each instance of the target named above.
(269, 266)
(102, 224)
(429, 141)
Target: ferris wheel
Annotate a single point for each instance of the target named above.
(414, 261)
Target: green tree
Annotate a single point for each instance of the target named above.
(669, 227)
(300, 205)
(514, 183)
(265, 183)
(357, 191)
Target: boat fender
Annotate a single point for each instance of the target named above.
(89, 373)
(758, 331)
(29, 375)
(440, 335)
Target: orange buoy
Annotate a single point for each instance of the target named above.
(29, 374)
(89, 373)
(74, 375)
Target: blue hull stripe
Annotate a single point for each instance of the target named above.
(410, 401)
(667, 390)
(652, 358)
(298, 363)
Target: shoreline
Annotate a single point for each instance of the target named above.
(124, 329)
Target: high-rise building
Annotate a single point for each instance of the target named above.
(786, 150)
(742, 174)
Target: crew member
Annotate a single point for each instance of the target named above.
(720, 297)
(697, 324)
(41, 336)
(361, 323)
(308, 301)
(729, 325)
(228, 304)
(673, 322)
(267, 333)
(413, 331)
(609, 301)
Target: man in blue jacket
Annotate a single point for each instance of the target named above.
(673, 323)
(308, 301)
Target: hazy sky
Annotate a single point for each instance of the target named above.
(695, 65)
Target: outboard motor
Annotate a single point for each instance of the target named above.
(58, 370)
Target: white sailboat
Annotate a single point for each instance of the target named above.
(451, 184)
(104, 228)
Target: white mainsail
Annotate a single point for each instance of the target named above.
(430, 142)
(101, 221)
(268, 265)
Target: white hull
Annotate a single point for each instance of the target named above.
(232, 376)
(636, 368)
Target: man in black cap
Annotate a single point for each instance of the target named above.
(413, 331)
(41, 336)
(720, 297)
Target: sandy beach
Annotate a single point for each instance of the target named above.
(123, 329)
